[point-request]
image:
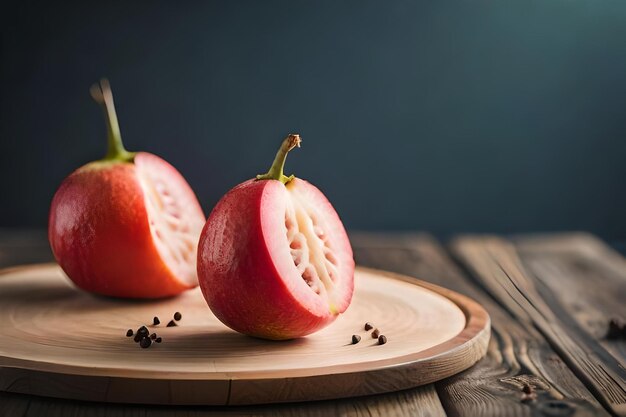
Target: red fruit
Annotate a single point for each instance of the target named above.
(126, 225)
(274, 260)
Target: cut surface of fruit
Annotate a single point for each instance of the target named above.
(174, 214)
(316, 242)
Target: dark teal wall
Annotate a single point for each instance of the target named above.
(500, 116)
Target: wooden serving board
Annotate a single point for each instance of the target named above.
(58, 341)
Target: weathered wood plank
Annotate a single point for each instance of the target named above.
(496, 265)
(571, 265)
(422, 401)
(18, 247)
(517, 354)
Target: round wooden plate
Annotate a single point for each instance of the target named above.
(58, 341)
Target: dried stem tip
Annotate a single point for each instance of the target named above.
(292, 140)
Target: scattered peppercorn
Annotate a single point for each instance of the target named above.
(156, 320)
(158, 339)
(382, 339)
(356, 339)
(129, 333)
(368, 326)
(375, 334)
(143, 331)
(153, 336)
(172, 323)
(145, 342)
(616, 329)
(177, 316)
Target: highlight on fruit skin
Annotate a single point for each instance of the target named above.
(274, 260)
(126, 225)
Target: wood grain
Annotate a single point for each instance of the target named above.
(32, 247)
(21, 247)
(58, 341)
(569, 265)
(517, 353)
(496, 264)
(417, 402)
(478, 391)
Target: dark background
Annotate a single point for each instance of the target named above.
(490, 116)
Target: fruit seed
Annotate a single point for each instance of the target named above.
(156, 321)
(143, 331)
(177, 316)
(172, 323)
(158, 339)
(368, 326)
(356, 339)
(153, 336)
(129, 333)
(375, 334)
(145, 342)
(382, 339)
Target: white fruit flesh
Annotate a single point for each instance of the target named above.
(310, 247)
(175, 216)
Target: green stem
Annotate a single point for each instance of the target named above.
(276, 170)
(102, 94)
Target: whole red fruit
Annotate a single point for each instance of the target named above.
(127, 225)
(274, 260)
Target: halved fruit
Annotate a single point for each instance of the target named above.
(126, 225)
(175, 216)
(274, 260)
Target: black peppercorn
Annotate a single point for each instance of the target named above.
(177, 316)
(143, 331)
(615, 329)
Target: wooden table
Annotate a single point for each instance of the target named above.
(550, 298)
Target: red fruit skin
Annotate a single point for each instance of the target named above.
(100, 235)
(239, 271)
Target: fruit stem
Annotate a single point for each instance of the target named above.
(276, 170)
(102, 94)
